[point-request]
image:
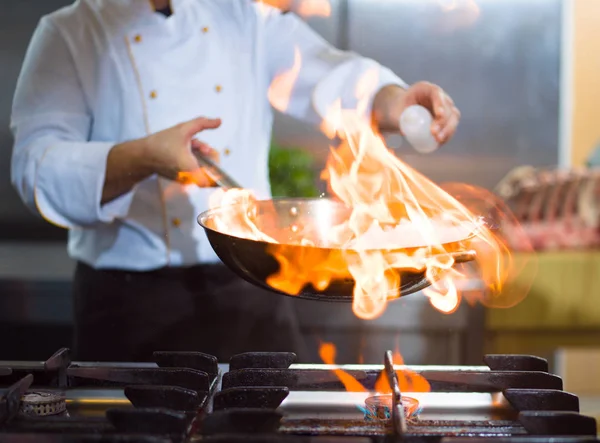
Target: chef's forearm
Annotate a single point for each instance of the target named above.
(387, 106)
(125, 167)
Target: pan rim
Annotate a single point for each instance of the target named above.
(204, 216)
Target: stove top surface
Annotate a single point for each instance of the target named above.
(268, 397)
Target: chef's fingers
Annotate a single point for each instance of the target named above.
(442, 106)
(448, 130)
(439, 103)
(199, 124)
(206, 150)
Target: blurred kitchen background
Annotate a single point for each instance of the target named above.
(526, 77)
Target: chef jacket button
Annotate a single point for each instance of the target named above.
(153, 94)
(205, 29)
(137, 38)
(218, 88)
(176, 222)
(227, 151)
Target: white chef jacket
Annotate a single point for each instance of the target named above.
(100, 72)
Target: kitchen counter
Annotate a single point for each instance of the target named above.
(562, 308)
(565, 293)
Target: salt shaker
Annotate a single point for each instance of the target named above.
(415, 123)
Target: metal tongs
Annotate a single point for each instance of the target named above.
(220, 177)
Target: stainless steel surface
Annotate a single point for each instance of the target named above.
(94, 402)
(215, 172)
(347, 405)
(290, 221)
(414, 368)
(328, 405)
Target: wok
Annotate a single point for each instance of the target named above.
(289, 219)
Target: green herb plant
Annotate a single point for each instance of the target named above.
(292, 172)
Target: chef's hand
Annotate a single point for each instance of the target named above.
(391, 101)
(170, 152)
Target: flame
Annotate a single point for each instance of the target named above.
(237, 223)
(188, 178)
(327, 353)
(304, 8)
(399, 224)
(408, 381)
(284, 5)
(314, 8)
(280, 90)
(292, 276)
(457, 14)
(446, 300)
(197, 177)
(391, 201)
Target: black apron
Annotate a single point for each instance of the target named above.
(126, 316)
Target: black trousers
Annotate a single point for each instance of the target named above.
(126, 316)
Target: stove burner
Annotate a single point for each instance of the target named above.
(266, 398)
(379, 408)
(41, 404)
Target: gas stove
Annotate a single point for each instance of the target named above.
(268, 397)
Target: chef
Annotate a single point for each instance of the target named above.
(112, 98)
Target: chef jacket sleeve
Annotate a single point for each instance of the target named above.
(317, 73)
(57, 171)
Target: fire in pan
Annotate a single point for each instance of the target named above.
(292, 246)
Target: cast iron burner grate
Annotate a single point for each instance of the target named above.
(261, 397)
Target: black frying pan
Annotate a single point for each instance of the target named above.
(289, 219)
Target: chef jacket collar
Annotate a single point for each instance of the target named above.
(140, 11)
(174, 5)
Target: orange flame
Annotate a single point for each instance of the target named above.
(327, 353)
(408, 381)
(457, 14)
(446, 300)
(314, 8)
(280, 90)
(399, 222)
(292, 276)
(391, 202)
(304, 8)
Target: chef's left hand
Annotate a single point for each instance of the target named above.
(391, 101)
(441, 106)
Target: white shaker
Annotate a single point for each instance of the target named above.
(415, 123)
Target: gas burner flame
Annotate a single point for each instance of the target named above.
(379, 404)
(408, 380)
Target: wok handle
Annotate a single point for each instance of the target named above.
(464, 256)
(220, 177)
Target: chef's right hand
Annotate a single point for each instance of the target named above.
(170, 152)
